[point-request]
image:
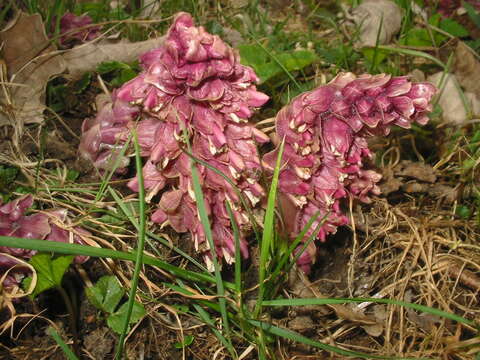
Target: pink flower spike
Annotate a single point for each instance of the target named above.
(194, 91)
(325, 132)
(45, 225)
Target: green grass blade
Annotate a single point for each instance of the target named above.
(245, 203)
(375, 51)
(291, 335)
(76, 249)
(311, 238)
(140, 246)
(279, 63)
(129, 214)
(295, 243)
(422, 308)
(238, 255)
(106, 180)
(208, 234)
(413, 53)
(268, 230)
(204, 315)
(65, 348)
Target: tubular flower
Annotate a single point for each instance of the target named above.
(42, 225)
(325, 133)
(193, 92)
(70, 22)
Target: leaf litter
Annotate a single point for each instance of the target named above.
(30, 60)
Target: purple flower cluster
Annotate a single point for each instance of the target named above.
(325, 133)
(70, 22)
(41, 225)
(192, 91)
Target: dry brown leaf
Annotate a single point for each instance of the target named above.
(301, 323)
(31, 60)
(466, 277)
(467, 68)
(454, 109)
(86, 57)
(151, 9)
(372, 14)
(305, 289)
(373, 330)
(416, 170)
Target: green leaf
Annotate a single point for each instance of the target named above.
(287, 96)
(124, 76)
(188, 340)
(116, 320)
(267, 71)
(106, 294)
(252, 55)
(453, 28)
(374, 56)
(7, 175)
(464, 212)
(435, 20)
(181, 308)
(268, 65)
(297, 60)
(416, 37)
(472, 13)
(72, 175)
(474, 44)
(49, 272)
(81, 85)
(109, 66)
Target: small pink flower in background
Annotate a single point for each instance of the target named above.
(69, 23)
(192, 89)
(325, 133)
(448, 7)
(44, 225)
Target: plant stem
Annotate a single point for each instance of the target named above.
(72, 317)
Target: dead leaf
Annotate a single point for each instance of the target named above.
(301, 323)
(374, 15)
(380, 314)
(99, 342)
(232, 36)
(417, 75)
(467, 68)
(415, 187)
(416, 170)
(423, 320)
(31, 61)
(151, 9)
(304, 288)
(389, 183)
(390, 186)
(454, 109)
(373, 330)
(443, 191)
(86, 57)
(466, 277)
